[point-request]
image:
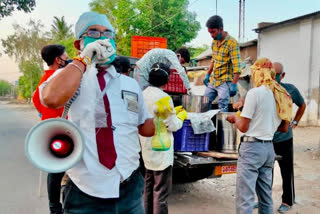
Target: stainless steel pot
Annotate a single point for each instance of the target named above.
(226, 136)
(195, 103)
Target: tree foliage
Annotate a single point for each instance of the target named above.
(31, 76)
(159, 18)
(25, 43)
(70, 49)
(8, 6)
(60, 30)
(195, 51)
(61, 33)
(5, 88)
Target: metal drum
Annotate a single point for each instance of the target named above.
(226, 137)
(195, 103)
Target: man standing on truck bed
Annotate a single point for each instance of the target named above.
(225, 65)
(267, 108)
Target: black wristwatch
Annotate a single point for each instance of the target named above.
(294, 122)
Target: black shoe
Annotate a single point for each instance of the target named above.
(57, 212)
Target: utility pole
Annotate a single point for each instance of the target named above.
(243, 20)
(241, 35)
(216, 7)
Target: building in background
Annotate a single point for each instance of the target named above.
(296, 44)
(247, 49)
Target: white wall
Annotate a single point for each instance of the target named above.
(297, 47)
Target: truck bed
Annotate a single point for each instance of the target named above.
(190, 167)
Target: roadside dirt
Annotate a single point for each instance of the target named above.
(218, 195)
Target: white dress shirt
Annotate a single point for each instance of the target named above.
(158, 160)
(89, 174)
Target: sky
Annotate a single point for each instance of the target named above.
(256, 11)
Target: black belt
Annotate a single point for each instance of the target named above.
(133, 174)
(253, 139)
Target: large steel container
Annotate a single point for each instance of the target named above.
(227, 136)
(195, 103)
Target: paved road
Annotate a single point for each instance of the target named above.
(19, 180)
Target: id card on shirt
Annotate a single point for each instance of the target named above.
(131, 99)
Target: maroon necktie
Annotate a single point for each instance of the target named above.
(104, 136)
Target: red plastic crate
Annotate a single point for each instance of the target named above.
(186, 141)
(175, 83)
(142, 44)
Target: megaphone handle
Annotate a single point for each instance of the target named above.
(69, 103)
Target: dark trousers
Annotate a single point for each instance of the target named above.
(158, 185)
(54, 190)
(285, 149)
(129, 202)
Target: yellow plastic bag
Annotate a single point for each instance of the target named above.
(161, 140)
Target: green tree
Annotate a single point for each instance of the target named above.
(70, 49)
(61, 33)
(7, 6)
(5, 88)
(60, 30)
(26, 43)
(195, 51)
(159, 18)
(31, 76)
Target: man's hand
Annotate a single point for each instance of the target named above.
(238, 104)
(232, 118)
(147, 129)
(206, 80)
(100, 49)
(109, 51)
(293, 125)
(233, 88)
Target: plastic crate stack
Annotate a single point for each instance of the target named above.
(186, 141)
(175, 84)
(142, 44)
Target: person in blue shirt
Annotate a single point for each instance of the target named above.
(283, 142)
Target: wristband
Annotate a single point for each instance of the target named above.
(84, 60)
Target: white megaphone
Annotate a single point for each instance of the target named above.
(54, 145)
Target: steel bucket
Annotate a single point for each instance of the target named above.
(227, 139)
(195, 103)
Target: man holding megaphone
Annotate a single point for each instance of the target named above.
(110, 112)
